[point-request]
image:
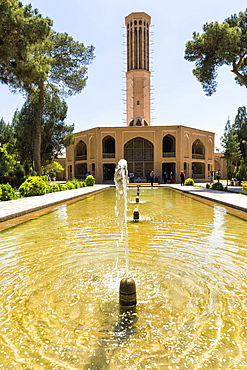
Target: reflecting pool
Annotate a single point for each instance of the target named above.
(60, 277)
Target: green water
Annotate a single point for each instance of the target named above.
(60, 276)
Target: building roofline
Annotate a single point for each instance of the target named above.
(141, 128)
(137, 15)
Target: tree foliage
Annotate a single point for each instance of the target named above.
(218, 45)
(234, 142)
(22, 32)
(240, 128)
(7, 148)
(230, 143)
(34, 57)
(55, 134)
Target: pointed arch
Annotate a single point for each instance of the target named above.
(210, 149)
(198, 150)
(92, 147)
(169, 146)
(139, 153)
(108, 147)
(81, 151)
(186, 145)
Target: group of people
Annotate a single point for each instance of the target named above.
(217, 176)
(151, 177)
(169, 177)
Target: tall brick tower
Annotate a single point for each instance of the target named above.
(138, 74)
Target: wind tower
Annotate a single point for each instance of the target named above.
(138, 74)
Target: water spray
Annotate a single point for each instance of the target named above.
(127, 290)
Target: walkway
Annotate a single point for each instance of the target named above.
(13, 212)
(234, 199)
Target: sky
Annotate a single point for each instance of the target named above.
(177, 97)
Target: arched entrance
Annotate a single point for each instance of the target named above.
(108, 171)
(139, 154)
(170, 169)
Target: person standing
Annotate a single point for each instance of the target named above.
(172, 180)
(218, 173)
(165, 175)
(152, 175)
(131, 177)
(182, 177)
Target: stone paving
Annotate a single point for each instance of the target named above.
(18, 207)
(234, 198)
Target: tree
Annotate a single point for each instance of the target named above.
(53, 169)
(33, 56)
(231, 146)
(24, 34)
(240, 127)
(7, 148)
(22, 31)
(66, 76)
(55, 134)
(219, 44)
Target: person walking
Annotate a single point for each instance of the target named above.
(211, 176)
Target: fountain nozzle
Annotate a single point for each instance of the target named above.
(136, 215)
(127, 292)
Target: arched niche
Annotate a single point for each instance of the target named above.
(186, 146)
(198, 150)
(210, 149)
(169, 146)
(81, 151)
(108, 147)
(92, 147)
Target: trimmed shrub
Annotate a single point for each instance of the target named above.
(70, 185)
(244, 187)
(45, 178)
(7, 192)
(82, 184)
(62, 187)
(34, 185)
(207, 186)
(52, 188)
(217, 186)
(90, 180)
(76, 183)
(189, 182)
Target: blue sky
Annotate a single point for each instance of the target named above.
(178, 98)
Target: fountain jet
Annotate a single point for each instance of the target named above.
(127, 290)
